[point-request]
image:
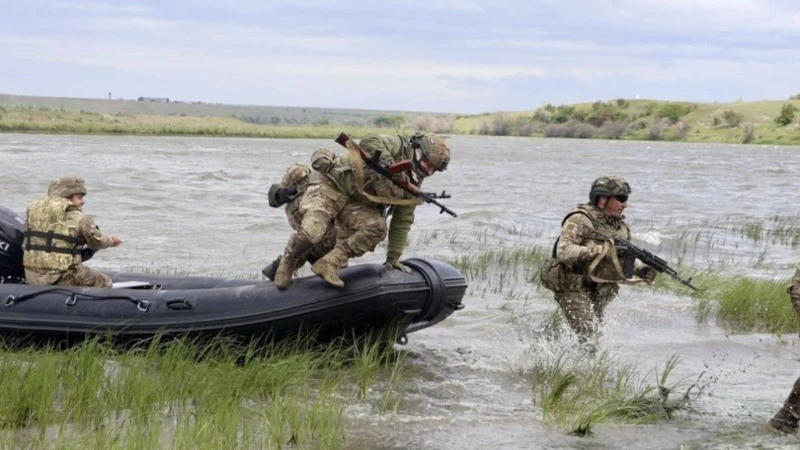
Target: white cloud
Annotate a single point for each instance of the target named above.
(456, 50)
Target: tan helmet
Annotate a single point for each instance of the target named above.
(610, 186)
(434, 150)
(67, 187)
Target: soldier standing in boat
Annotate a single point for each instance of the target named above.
(584, 272)
(289, 191)
(59, 237)
(786, 420)
(346, 195)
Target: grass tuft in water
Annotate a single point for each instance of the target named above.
(578, 395)
(182, 393)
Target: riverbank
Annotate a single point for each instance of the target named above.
(765, 122)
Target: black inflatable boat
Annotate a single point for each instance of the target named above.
(143, 305)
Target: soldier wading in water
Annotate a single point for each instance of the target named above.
(585, 272)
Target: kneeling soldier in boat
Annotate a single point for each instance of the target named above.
(290, 192)
(59, 237)
(347, 195)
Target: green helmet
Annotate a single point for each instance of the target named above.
(433, 149)
(67, 187)
(610, 186)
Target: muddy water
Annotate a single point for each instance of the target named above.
(198, 205)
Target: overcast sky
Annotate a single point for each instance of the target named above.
(466, 56)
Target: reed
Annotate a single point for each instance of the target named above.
(60, 121)
(578, 394)
(191, 394)
(746, 304)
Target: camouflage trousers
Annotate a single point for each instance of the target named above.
(584, 308)
(794, 290)
(295, 218)
(358, 227)
(787, 418)
(79, 275)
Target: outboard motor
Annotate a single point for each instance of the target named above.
(12, 233)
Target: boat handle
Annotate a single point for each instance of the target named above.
(71, 300)
(456, 306)
(143, 305)
(179, 304)
(10, 301)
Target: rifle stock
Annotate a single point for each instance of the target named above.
(389, 172)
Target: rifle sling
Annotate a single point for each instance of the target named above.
(359, 173)
(617, 266)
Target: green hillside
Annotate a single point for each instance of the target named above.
(764, 122)
(737, 122)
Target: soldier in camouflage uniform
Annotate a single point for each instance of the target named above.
(60, 236)
(583, 273)
(343, 193)
(290, 192)
(787, 418)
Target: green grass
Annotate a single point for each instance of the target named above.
(30, 120)
(183, 394)
(577, 395)
(745, 304)
(701, 122)
(95, 116)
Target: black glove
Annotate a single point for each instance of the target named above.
(646, 273)
(279, 195)
(86, 253)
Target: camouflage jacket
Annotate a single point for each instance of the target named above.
(573, 249)
(393, 149)
(70, 228)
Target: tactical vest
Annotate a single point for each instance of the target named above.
(600, 222)
(50, 243)
(559, 277)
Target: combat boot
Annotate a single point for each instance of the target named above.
(293, 257)
(271, 268)
(285, 271)
(328, 266)
(787, 418)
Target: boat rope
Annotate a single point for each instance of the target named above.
(72, 298)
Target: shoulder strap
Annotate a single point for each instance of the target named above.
(571, 213)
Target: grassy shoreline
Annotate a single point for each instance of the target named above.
(185, 395)
(764, 123)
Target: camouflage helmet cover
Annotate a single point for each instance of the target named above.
(67, 187)
(609, 186)
(434, 150)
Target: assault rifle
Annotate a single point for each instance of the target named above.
(389, 171)
(631, 253)
(444, 194)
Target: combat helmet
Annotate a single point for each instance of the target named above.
(433, 149)
(610, 186)
(67, 187)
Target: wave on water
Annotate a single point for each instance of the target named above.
(220, 175)
(650, 237)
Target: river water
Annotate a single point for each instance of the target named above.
(198, 205)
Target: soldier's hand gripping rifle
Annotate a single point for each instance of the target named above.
(631, 253)
(389, 172)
